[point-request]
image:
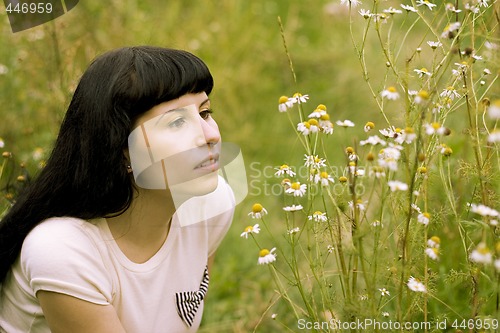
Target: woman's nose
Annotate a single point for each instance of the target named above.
(211, 134)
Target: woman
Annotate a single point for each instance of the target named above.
(118, 232)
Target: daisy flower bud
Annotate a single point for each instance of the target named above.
(369, 126)
(342, 179)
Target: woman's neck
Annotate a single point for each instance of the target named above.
(143, 228)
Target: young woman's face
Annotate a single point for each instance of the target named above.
(176, 146)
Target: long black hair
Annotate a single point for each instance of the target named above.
(86, 175)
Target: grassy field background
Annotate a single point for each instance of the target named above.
(241, 43)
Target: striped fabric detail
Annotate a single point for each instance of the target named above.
(187, 302)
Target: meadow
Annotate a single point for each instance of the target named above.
(419, 201)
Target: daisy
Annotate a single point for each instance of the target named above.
(389, 132)
(2, 143)
(3, 69)
(297, 189)
(392, 11)
(359, 205)
(317, 113)
(314, 161)
(494, 136)
(373, 140)
(325, 178)
(434, 241)
(318, 216)
(284, 104)
(293, 208)
(365, 13)
(434, 45)
(422, 72)
(434, 128)
(424, 218)
(390, 93)
(449, 30)
(416, 285)
(377, 171)
(257, 211)
(304, 127)
(421, 97)
(396, 185)
(445, 150)
(330, 249)
(432, 253)
(494, 110)
(384, 292)
(483, 210)
(429, 5)
(408, 8)
(481, 254)
(353, 3)
(345, 123)
(298, 98)
(451, 8)
(406, 136)
(293, 231)
(284, 170)
(313, 125)
(266, 256)
(368, 126)
(250, 230)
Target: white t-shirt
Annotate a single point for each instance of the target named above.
(81, 259)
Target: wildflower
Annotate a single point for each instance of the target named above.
(494, 136)
(416, 285)
(318, 216)
(434, 128)
(284, 104)
(330, 249)
(325, 124)
(284, 170)
(304, 127)
(432, 253)
(313, 125)
(317, 113)
(369, 126)
(250, 230)
(429, 5)
(451, 8)
(359, 172)
(434, 45)
(373, 140)
(434, 241)
(384, 292)
(293, 231)
(494, 110)
(266, 256)
(293, 208)
(377, 171)
(297, 189)
(365, 13)
(493, 223)
(382, 17)
(421, 97)
(390, 93)
(392, 11)
(2, 143)
(396, 185)
(481, 254)
(342, 179)
(325, 178)
(345, 123)
(352, 3)
(482, 3)
(449, 30)
(3, 69)
(407, 136)
(377, 223)
(497, 265)
(298, 98)
(408, 8)
(389, 132)
(314, 161)
(274, 315)
(388, 158)
(385, 314)
(257, 211)
(483, 210)
(422, 72)
(424, 218)
(359, 205)
(486, 71)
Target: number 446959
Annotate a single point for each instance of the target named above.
(479, 323)
(25, 8)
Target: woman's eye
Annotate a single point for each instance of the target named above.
(177, 123)
(205, 114)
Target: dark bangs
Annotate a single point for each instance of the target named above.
(157, 75)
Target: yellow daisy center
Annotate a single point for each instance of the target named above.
(342, 179)
(296, 186)
(391, 89)
(321, 107)
(263, 252)
(427, 215)
(257, 208)
(409, 130)
(313, 122)
(325, 117)
(249, 229)
(284, 167)
(349, 150)
(423, 94)
(283, 99)
(435, 125)
(370, 124)
(436, 239)
(324, 174)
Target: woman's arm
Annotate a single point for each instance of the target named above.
(69, 314)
